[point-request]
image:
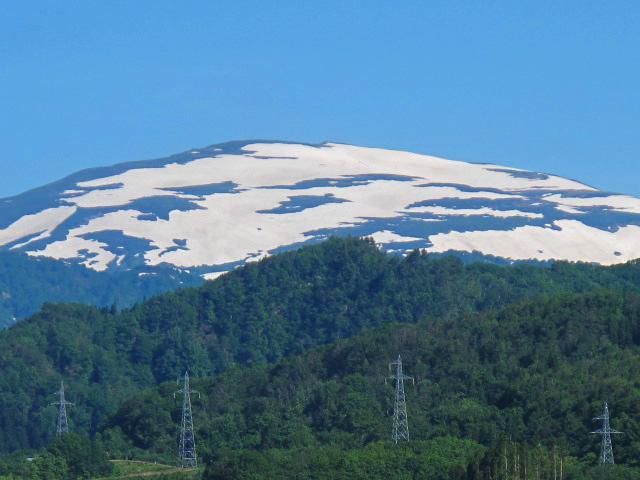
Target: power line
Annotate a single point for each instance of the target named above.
(187, 449)
(606, 449)
(62, 423)
(400, 430)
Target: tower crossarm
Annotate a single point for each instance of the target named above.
(399, 375)
(403, 377)
(181, 392)
(60, 395)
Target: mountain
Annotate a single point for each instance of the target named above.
(215, 208)
(279, 307)
(526, 379)
(27, 283)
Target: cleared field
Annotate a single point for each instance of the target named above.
(132, 469)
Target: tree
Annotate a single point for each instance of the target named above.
(84, 457)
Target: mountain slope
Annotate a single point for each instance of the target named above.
(278, 307)
(27, 282)
(233, 203)
(535, 373)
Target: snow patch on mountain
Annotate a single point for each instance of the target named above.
(36, 226)
(226, 205)
(570, 240)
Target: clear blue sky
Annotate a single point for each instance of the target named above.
(544, 85)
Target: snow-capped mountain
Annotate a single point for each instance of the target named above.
(236, 202)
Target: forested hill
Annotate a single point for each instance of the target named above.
(26, 283)
(281, 306)
(523, 380)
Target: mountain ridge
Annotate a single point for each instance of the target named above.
(281, 306)
(227, 204)
(26, 283)
(295, 348)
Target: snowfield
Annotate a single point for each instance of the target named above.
(233, 203)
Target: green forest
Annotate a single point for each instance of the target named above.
(290, 357)
(528, 378)
(26, 283)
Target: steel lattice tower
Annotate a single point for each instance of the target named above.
(187, 449)
(606, 449)
(62, 423)
(400, 424)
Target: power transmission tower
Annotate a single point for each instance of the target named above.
(400, 424)
(187, 449)
(606, 450)
(62, 424)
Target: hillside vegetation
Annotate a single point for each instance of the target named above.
(281, 306)
(536, 371)
(528, 378)
(26, 283)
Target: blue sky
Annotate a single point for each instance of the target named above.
(543, 85)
